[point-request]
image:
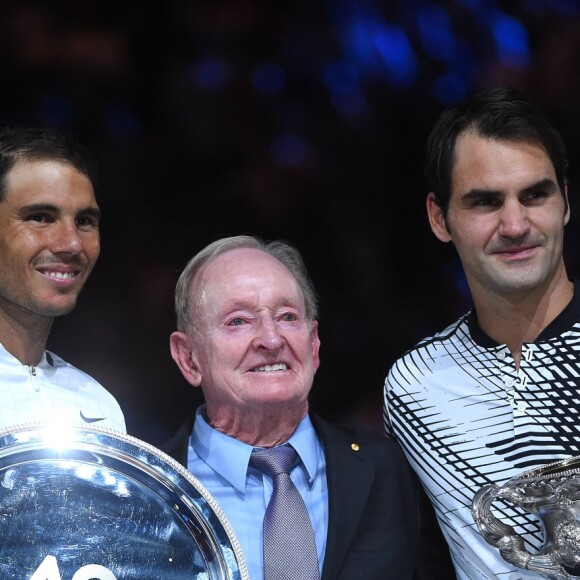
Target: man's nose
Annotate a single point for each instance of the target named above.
(514, 220)
(268, 335)
(66, 238)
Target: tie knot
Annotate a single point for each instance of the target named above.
(274, 460)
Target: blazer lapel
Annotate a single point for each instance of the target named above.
(350, 472)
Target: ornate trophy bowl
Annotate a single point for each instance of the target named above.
(552, 493)
(83, 503)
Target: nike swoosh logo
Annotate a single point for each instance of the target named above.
(91, 419)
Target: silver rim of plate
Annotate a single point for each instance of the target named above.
(79, 502)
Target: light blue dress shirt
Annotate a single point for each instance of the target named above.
(221, 464)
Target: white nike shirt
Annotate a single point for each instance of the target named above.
(56, 392)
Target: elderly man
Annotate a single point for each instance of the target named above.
(248, 336)
(49, 243)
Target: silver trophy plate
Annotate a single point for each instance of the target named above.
(80, 503)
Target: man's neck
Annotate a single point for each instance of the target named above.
(259, 427)
(25, 338)
(516, 319)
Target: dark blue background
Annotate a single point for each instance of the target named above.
(295, 120)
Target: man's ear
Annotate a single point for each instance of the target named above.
(567, 202)
(437, 218)
(182, 354)
(315, 343)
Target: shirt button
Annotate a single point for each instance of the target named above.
(522, 406)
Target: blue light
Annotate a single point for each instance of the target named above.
(381, 48)
(511, 39)
(269, 78)
(435, 31)
(210, 74)
(449, 89)
(341, 77)
(289, 149)
(395, 48)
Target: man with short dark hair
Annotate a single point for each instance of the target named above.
(49, 243)
(498, 391)
(248, 335)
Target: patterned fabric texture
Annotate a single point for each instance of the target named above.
(466, 417)
(289, 546)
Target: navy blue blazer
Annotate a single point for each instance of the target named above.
(380, 524)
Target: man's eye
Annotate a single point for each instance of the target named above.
(86, 222)
(37, 217)
(485, 202)
(289, 317)
(535, 196)
(238, 321)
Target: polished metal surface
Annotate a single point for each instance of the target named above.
(79, 503)
(552, 493)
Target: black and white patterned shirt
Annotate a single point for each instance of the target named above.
(466, 417)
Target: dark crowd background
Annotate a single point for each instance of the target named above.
(296, 120)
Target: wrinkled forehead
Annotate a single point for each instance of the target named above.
(240, 275)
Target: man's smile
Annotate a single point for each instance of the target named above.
(59, 275)
(516, 253)
(274, 367)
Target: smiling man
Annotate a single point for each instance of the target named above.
(49, 243)
(248, 335)
(497, 392)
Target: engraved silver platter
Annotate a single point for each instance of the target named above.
(86, 503)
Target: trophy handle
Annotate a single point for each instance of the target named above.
(504, 537)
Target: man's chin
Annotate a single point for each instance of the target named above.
(278, 400)
(517, 282)
(55, 309)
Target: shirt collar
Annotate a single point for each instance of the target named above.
(230, 457)
(305, 442)
(8, 358)
(225, 455)
(563, 322)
